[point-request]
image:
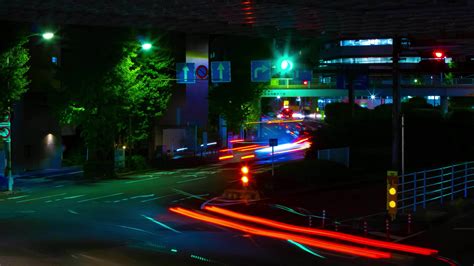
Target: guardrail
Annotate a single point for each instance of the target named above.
(449, 182)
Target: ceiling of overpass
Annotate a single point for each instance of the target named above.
(303, 18)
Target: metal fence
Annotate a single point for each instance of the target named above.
(445, 183)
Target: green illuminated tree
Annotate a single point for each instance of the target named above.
(237, 102)
(149, 97)
(112, 90)
(96, 73)
(14, 65)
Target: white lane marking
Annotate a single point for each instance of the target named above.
(143, 196)
(72, 211)
(158, 197)
(45, 197)
(136, 229)
(101, 197)
(59, 186)
(189, 194)
(190, 180)
(410, 236)
(141, 180)
(190, 197)
(463, 229)
(74, 197)
(161, 224)
(124, 199)
(18, 197)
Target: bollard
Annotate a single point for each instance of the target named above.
(387, 228)
(324, 218)
(365, 228)
(409, 223)
(336, 227)
(310, 220)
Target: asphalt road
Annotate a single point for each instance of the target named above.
(127, 222)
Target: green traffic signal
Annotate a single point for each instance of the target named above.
(286, 65)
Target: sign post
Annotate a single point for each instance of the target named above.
(273, 143)
(261, 70)
(220, 71)
(5, 134)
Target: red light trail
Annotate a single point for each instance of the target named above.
(346, 249)
(226, 157)
(326, 233)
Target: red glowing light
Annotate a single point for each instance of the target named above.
(244, 148)
(237, 140)
(305, 82)
(325, 233)
(248, 156)
(245, 180)
(301, 140)
(346, 249)
(226, 157)
(438, 54)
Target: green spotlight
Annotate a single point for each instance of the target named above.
(48, 35)
(146, 46)
(286, 65)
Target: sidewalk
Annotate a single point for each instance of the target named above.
(41, 177)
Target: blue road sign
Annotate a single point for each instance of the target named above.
(261, 70)
(185, 73)
(303, 74)
(220, 71)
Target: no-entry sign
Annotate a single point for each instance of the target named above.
(201, 72)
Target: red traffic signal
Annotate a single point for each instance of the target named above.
(305, 82)
(438, 54)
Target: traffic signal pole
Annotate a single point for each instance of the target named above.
(396, 106)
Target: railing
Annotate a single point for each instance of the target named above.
(449, 182)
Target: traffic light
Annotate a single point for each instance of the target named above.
(392, 192)
(245, 172)
(438, 54)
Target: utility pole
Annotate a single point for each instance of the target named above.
(8, 144)
(396, 106)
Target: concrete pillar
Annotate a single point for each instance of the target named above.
(196, 109)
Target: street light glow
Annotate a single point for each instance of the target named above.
(48, 35)
(286, 64)
(146, 46)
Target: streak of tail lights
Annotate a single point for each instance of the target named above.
(226, 157)
(326, 233)
(247, 157)
(346, 249)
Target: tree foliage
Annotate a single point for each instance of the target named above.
(107, 82)
(237, 103)
(150, 95)
(14, 66)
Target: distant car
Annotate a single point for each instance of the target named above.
(286, 113)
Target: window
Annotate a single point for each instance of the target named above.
(366, 42)
(370, 60)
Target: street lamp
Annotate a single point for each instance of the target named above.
(147, 46)
(48, 35)
(8, 167)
